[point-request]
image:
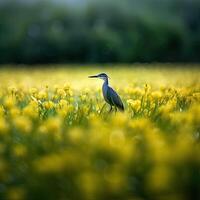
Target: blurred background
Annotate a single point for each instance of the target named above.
(99, 31)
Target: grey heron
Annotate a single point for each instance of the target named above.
(110, 96)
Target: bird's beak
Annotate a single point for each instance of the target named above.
(93, 76)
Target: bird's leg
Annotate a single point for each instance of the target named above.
(102, 108)
(115, 109)
(110, 109)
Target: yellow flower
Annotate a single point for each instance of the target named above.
(160, 179)
(119, 119)
(142, 125)
(86, 90)
(62, 112)
(165, 110)
(137, 91)
(88, 183)
(19, 150)
(12, 89)
(53, 125)
(50, 164)
(130, 101)
(48, 104)
(68, 90)
(116, 180)
(156, 94)
(31, 110)
(117, 138)
(61, 93)
(42, 95)
(75, 135)
(83, 97)
(196, 96)
(14, 112)
(23, 124)
(2, 111)
(33, 91)
(134, 104)
(9, 102)
(147, 88)
(55, 163)
(63, 103)
(4, 127)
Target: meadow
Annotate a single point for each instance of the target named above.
(55, 143)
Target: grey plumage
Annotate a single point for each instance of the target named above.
(110, 96)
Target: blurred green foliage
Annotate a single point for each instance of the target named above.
(99, 31)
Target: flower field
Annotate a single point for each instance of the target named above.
(57, 143)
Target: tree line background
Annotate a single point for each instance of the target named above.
(99, 31)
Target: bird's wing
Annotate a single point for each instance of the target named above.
(116, 100)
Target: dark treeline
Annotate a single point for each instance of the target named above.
(99, 31)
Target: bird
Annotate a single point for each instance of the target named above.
(110, 96)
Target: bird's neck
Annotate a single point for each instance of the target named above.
(105, 82)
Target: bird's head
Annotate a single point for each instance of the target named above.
(102, 76)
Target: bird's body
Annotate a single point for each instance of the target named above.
(110, 96)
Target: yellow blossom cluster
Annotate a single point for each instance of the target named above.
(56, 141)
